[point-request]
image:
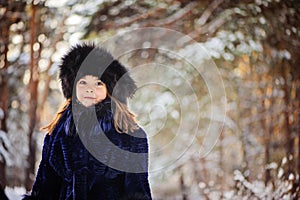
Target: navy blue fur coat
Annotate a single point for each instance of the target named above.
(69, 171)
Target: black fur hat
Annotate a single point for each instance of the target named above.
(87, 59)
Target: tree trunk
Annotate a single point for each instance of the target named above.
(268, 128)
(289, 145)
(243, 128)
(183, 187)
(221, 165)
(298, 120)
(298, 125)
(4, 38)
(33, 90)
(267, 146)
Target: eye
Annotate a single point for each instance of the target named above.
(99, 83)
(82, 82)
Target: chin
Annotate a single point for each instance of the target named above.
(88, 104)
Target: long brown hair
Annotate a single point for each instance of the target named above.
(124, 120)
(49, 128)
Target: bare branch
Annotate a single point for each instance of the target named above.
(138, 17)
(164, 22)
(181, 13)
(207, 13)
(213, 25)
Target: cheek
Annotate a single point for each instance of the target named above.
(101, 93)
(78, 91)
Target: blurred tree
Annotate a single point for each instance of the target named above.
(11, 12)
(256, 45)
(28, 59)
(33, 91)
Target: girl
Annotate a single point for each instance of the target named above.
(94, 148)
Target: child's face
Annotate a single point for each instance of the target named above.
(90, 90)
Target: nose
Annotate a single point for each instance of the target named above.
(89, 90)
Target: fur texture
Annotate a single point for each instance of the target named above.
(87, 59)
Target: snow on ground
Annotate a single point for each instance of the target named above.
(15, 193)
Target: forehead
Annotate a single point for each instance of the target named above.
(90, 77)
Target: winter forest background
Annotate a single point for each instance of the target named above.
(245, 115)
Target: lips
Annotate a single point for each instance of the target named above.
(92, 98)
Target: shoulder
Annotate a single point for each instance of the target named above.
(139, 133)
(63, 128)
(139, 141)
(135, 141)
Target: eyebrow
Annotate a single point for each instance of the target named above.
(92, 76)
(96, 79)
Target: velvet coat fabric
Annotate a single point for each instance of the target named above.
(68, 170)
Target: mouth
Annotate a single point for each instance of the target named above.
(90, 98)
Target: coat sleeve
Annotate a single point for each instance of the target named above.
(47, 183)
(137, 184)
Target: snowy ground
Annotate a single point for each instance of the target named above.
(15, 193)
